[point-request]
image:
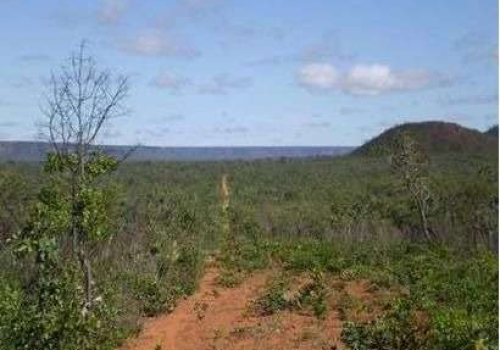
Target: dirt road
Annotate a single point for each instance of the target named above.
(217, 318)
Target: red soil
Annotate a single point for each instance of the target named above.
(215, 318)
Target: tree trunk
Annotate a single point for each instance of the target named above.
(74, 216)
(420, 201)
(425, 226)
(423, 218)
(88, 281)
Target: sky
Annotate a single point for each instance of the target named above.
(261, 72)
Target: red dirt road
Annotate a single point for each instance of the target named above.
(216, 318)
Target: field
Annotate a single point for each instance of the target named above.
(322, 253)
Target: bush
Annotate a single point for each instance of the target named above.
(50, 317)
(448, 305)
(275, 299)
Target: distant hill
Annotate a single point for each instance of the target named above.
(493, 131)
(434, 137)
(22, 151)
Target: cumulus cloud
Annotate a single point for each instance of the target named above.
(375, 79)
(111, 11)
(169, 81)
(158, 44)
(363, 80)
(224, 83)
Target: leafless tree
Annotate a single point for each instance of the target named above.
(80, 100)
(410, 164)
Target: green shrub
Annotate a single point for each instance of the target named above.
(398, 330)
(451, 304)
(50, 316)
(274, 299)
(314, 294)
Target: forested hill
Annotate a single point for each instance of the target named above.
(434, 137)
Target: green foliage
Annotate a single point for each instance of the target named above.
(49, 310)
(309, 256)
(175, 273)
(100, 164)
(274, 299)
(15, 199)
(58, 163)
(448, 305)
(93, 205)
(280, 295)
(229, 278)
(10, 308)
(398, 330)
(315, 294)
(96, 165)
(242, 249)
(47, 313)
(149, 226)
(153, 296)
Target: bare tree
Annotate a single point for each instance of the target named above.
(410, 164)
(80, 99)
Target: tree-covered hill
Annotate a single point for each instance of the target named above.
(434, 137)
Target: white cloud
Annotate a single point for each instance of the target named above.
(159, 44)
(365, 80)
(112, 10)
(319, 75)
(376, 79)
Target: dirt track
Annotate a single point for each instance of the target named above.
(216, 318)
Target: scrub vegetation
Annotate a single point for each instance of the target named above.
(401, 248)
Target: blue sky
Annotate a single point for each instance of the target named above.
(262, 72)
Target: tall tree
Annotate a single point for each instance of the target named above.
(80, 100)
(411, 165)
